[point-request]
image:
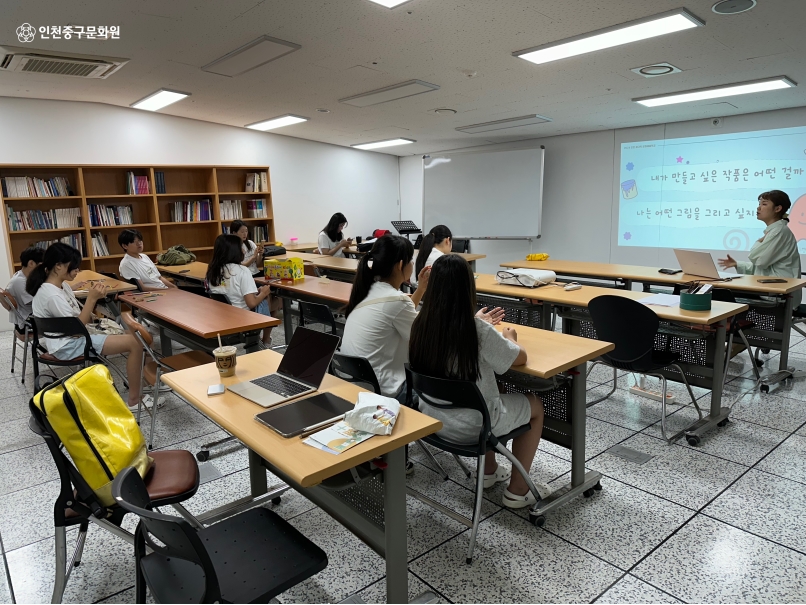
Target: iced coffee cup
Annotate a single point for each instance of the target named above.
(225, 361)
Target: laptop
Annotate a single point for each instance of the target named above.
(701, 264)
(301, 371)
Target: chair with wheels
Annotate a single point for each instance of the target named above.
(154, 368)
(457, 394)
(173, 479)
(316, 313)
(22, 330)
(460, 245)
(632, 327)
(249, 558)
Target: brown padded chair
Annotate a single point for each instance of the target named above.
(154, 368)
(10, 304)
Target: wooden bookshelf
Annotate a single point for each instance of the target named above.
(151, 213)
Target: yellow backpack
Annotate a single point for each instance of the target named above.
(95, 426)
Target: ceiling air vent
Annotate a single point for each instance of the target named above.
(29, 60)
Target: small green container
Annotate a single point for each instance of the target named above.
(695, 302)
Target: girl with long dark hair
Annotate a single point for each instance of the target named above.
(252, 252)
(49, 284)
(447, 341)
(227, 275)
(331, 239)
(437, 242)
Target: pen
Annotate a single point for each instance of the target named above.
(315, 429)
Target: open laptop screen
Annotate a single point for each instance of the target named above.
(308, 356)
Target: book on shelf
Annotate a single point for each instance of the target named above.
(76, 240)
(251, 182)
(231, 210)
(256, 209)
(27, 186)
(99, 245)
(31, 220)
(197, 210)
(110, 216)
(259, 233)
(264, 181)
(160, 178)
(136, 185)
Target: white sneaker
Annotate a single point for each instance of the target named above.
(148, 403)
(500, 474)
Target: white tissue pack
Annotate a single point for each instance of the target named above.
(374, 414)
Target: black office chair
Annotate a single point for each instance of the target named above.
(199, 290)
(466, 394)
(218, 297)
(460, 245)
(736, 326)
(632, 327)
(249, 558)
(109, 274)
(316, 313)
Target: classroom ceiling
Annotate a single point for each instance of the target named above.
(464, 46)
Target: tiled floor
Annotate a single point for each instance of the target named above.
(722, 522)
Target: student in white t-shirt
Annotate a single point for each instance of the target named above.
(331, 240)
(437, 242)
(447, 341)
(30, 259)
(53, 297)
(226, 275)
(252, 252)
(136, 265)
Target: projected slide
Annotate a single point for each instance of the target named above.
(702, 192)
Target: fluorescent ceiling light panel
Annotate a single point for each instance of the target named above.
(716, 92)
(529, 120)
(390, 3)
(380, 144)
(286, 120)
(249, 56)
(158, 100)
(650, 27)
(390, 93)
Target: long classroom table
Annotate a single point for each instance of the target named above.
(373, 510)
(699, 336)
(84, 280)
(773, 323)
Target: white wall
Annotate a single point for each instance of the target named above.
(580, 192)
(310, 180)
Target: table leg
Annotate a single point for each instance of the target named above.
(166, 346)
(394, 496)
(783, 363)
(257, 475)
(288, 326)
(718, 414)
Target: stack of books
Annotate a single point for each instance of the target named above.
(160, 178)
(259, 234)
(30, 220)
(231, 210)
(26, 186)
(257, 181)
(99, 247)
(76, 240)
(136, 185)
(109, 216)
(198, 210)
(256, 209)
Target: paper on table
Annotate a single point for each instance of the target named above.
(661, 300)
(338, 438)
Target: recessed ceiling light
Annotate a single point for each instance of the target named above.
(322, 110)
(733, 7)
(249, 56)
(390, 93)
(716, 92)
(503, 124)
(650, 27)
(380, 144)
(286, 120)
(390, 3)
(658, 69)
(444, 111)
(158, 100)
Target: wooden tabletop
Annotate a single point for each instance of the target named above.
(195, 270)
(82, 282)
(296, 247)
(744, 283)
(485, 283)
(197, 314)
(550, 353)
(303, 464)
(337, 291)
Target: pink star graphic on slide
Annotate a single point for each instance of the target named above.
(679, 159)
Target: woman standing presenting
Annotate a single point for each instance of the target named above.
(776, 253)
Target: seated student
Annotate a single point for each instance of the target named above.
(447, 341)
(226, 275)
(136, 265)
(437, 242)
(30, 258)
(331, 240)
(776, 253)
(53, 297)
(252, 252)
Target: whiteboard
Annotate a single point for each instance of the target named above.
(484, 194)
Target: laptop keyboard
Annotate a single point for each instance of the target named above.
(281, 385)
